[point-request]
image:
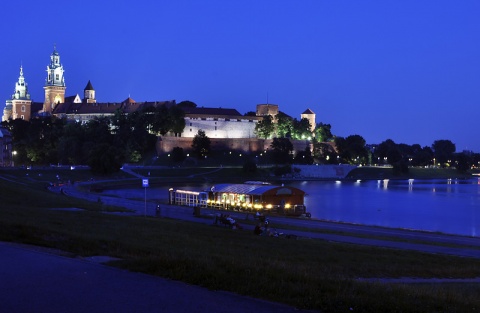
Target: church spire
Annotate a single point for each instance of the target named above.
(55, 70)
(54, 83)
(21, 88)
(89, 93)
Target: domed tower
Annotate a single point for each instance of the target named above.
(54, 84)
(310, 116)
(20, 105)
(89, 94)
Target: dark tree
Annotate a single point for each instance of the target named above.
(105, 159)
(302, 129)
(265, 128)
(70, 145)
(444, 150)
(284, 125)
(324, 153)
(177, 120)
(187, 104)
(356, 150)
(178, 154)
(463, 162)
(304, 157)
(250, 113)
(282, 150)
(389, 152)
(201, 144)
(323, 132)
(423, 157)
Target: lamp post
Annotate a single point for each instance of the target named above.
(14, 153)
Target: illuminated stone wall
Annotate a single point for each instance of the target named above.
(166, 144)
(218, 128)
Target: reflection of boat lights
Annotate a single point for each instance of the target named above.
(269, 206)
(287, 206)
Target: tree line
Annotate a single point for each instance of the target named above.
(330, 149)
(106, 143)
(103, 143)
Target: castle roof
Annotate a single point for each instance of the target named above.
(308, 111)
(211, 111)
(127, 106)
(89, 86)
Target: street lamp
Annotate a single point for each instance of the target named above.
(14, 153)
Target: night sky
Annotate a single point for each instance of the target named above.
(402, 70)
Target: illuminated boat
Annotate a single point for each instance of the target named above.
(250, 196)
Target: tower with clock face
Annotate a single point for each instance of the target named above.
(54, 83)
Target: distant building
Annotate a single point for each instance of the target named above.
(310, 116)
(56, 103)
(267, 109)
(227, 128)
(20, 104)
(219, 123)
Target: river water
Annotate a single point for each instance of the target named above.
(446, 206)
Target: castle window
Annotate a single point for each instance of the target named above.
(215, 127)
(57, 77)
(22, 116)
(23, 108)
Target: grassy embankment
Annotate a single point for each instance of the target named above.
(305, 273)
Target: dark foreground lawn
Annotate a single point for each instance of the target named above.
(305, 273)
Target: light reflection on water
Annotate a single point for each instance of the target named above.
(447, 206)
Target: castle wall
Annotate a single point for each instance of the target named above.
(166, 144)
(237, 127)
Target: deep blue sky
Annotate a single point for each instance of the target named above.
(402, 70)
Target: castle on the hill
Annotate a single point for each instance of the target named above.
(225, 127)
(74, 108)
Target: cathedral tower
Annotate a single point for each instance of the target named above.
(89, 94)
(20, 105)
(54, 84)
